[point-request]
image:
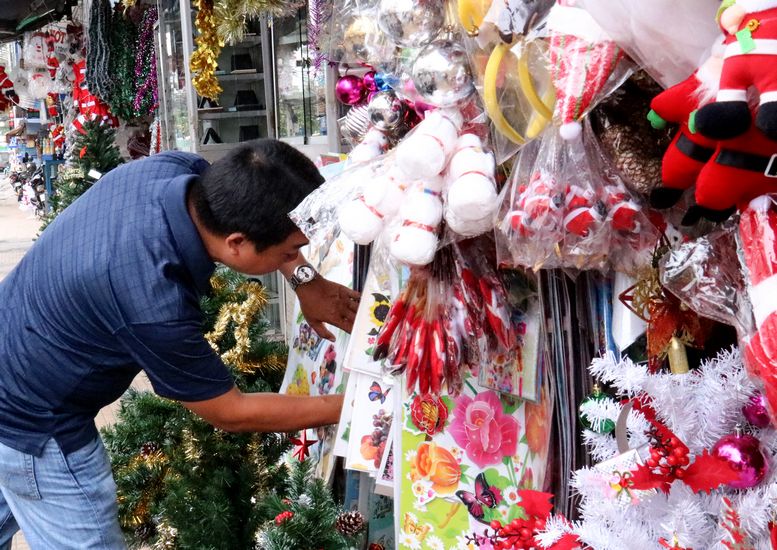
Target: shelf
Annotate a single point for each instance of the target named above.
(248, 41)
(240, 77)
(218, 146)
(230, 114)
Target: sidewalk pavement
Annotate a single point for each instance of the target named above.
(18, 230)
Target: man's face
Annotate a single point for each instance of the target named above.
(245, 259)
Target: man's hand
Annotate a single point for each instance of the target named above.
(323, 301)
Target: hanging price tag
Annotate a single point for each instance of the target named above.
(745, 36)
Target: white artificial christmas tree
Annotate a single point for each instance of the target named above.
(699, 407)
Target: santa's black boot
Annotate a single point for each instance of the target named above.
(723, 119)
(696, 213)
(766, 119)
(664, 197)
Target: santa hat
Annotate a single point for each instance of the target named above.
(583, 57)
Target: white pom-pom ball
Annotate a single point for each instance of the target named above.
(425, 153)
(472, 197)
(415, 241)
(469, 228)
(359, 223)
(570, 131)
(414, 246)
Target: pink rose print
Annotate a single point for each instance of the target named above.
(481, 428)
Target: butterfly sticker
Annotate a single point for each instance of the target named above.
(377, 393)
(484, 496)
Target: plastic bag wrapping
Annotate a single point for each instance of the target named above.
(705, 275)
(758, 255)
(316, 215)
(451, 315)
(571, 210)
(352, 35)
(442, 169)
(514, 85)
(668, 38)
(627, 139)
(585, 63)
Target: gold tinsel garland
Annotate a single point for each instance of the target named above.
(204, 60)
(232, 15)
(242, 315)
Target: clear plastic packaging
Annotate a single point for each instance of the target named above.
(451, 315)
(571, 210)
(514, 85)
(585, 64)
(668, 38)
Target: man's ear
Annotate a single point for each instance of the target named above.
(234, 242)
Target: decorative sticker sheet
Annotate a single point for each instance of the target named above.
(315, 365)
(370, 423)
(382, 282)
(380, 535)
(519, 373)
(462, 462)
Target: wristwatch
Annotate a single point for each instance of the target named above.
(301, 275)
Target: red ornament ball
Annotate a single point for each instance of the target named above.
(744, 454)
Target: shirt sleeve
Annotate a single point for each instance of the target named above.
(178, 360)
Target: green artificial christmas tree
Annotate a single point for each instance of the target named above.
(306, 517)
(93, 154)
(183, 484)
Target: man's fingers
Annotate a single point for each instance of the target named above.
(352, 305)
(353, 295)
(322, 331)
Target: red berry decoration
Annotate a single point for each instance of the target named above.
(283, 517)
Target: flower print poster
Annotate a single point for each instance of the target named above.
(462, 461)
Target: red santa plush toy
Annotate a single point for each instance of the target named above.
(688, 152)
(742, 169)
(750, 59)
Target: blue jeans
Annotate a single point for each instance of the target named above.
(59, 501)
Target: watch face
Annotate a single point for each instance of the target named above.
(305, 273)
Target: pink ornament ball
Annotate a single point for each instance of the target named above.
(350, 89)
(745, 456)
(755, 411)
(369, 81)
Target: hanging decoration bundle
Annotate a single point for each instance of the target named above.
(232, 15)
(204, 60)
(98, 49)
(146, 97)
(124, 35)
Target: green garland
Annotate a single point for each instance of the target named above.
(124, 37)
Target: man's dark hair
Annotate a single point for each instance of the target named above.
(252, 189)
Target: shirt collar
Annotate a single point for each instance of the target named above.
(187, 239)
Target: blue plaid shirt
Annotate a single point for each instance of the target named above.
(110, 288)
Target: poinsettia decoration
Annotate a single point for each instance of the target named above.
(669, 460)
(521, 532)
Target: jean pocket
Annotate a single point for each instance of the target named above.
(17, 474)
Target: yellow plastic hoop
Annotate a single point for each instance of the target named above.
(543, 113)
(471, 14)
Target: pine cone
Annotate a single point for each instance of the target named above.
(350, 523)
(148, 448)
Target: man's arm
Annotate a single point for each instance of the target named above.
(235, 411)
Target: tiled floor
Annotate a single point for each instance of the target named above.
(17, 231)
